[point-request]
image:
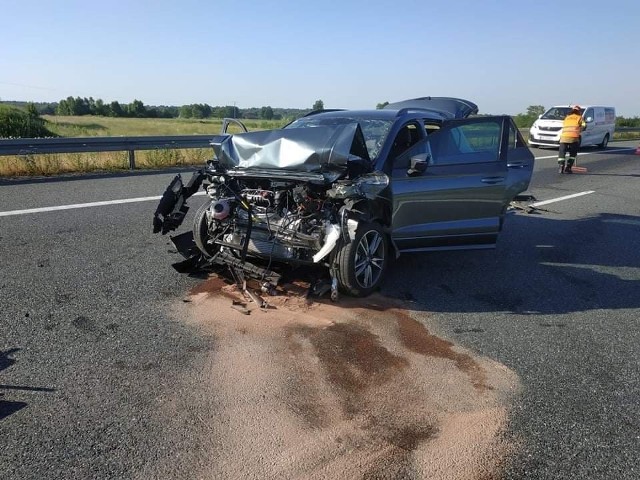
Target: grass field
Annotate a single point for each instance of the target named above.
(91, 126)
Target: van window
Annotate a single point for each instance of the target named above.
(610, 115)
(588, 113)
(556, 113)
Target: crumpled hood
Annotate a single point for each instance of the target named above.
(309, 150)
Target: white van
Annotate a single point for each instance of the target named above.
(601, 123)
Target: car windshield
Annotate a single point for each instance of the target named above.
(375, 131)
(556, 113)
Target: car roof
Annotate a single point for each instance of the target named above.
(376, 114)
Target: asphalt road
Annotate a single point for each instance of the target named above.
(92, 357)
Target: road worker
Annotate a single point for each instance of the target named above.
(572, 126)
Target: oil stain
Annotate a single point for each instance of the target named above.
(417, 338)
(210, 286)
(353, 357)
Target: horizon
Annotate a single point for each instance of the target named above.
(350, 55)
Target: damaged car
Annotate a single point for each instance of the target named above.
(347, 190)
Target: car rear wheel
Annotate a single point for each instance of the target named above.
(362, 263)
(605, 141)
(201, 231)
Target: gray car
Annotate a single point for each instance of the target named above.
(347, 190)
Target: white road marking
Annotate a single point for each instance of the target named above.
(582, 154)
(559, 199)
(84, 205)
(148, 199)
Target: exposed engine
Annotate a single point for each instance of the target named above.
(290, 197)
(282, 220)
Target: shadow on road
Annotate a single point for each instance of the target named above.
(541, 265)
(8, 407)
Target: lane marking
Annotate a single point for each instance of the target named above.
(84, 205)
(148, 199)
(582, 154)
(559, 199)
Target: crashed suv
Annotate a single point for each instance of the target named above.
(346, 190)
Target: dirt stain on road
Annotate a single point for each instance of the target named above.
(417, 338)
(358, 389)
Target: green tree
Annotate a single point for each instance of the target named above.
(380, 106)
(100, 108)
(186, 111)
(66, 106)
(32, 110)
(525, 120)
(266, 113)
(16, 123)
(136, 109)
(115, 109)
(535, 110)
(628, 122)
(319, 105)
(229, 111)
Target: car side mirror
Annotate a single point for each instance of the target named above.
(419, 164)
(540, 116)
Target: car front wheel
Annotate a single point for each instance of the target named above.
(201, 231)
(362, 263)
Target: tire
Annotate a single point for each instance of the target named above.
(605, 142)
(362, 263)
(201, 231)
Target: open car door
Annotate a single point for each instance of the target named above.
(460, 197)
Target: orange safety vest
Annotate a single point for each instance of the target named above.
(571, 128)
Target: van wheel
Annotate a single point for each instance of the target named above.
(201, 231)
(605, 141)
(362, 263)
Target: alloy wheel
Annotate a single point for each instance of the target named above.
(369, 259)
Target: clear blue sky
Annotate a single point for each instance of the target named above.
(502, 54)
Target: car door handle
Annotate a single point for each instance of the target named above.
(492, 179)
(516, 165)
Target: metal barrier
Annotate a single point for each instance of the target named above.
(35, 146)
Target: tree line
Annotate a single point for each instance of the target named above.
(79, 106)
(137, 109)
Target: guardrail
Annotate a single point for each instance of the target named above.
(35, 146)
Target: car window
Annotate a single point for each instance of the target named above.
(515, 139)
(474, 142)
(407, 136)
(403, 161)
